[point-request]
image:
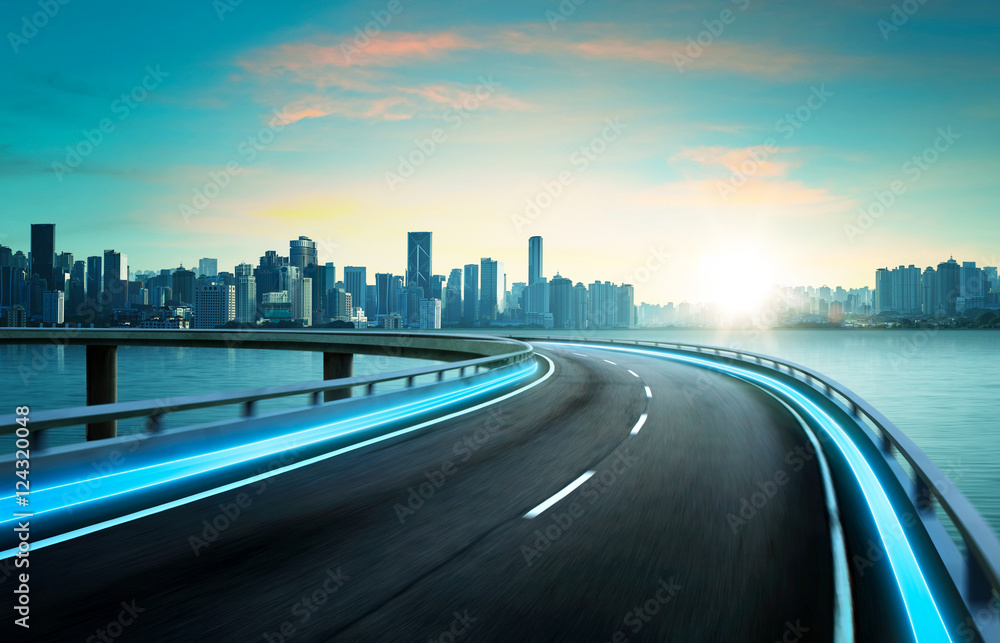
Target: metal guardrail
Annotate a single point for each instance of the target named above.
(156, 409)
(982, 573)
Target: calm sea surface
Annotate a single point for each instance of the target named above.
(52, 377)
(942, 388)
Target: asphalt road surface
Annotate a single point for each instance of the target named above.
(705, 524)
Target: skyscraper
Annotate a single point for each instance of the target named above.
(115, 279)
(437, 287)
(471, 312)
(626, 306)
(491, 289)
(43, 251)
(973, 285)
(928, 291)
(76, 294)
(302, 252)
(561, 302)
(603, 300)
(385, 295)
(371, 301)
(246, 294)
(580, 305)
(991, 278)
(948, 286)
(214, 305)
(330, 271)
(535, 271)
(453, 297)
(182, 282)
(266, 276)
(430, 313)
(885, 299)
(418, 261)
(290, 280)
(53, 306)
(208, 267)
(95, 282)
(356, 282)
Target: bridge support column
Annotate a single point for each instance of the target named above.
(102, 387)
(336, 366)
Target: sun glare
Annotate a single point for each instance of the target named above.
(737, 282)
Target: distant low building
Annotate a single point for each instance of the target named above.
(15, 317)
(358, 318)
(170, 323)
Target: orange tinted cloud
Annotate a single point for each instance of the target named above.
(385, 50)
(728, 55)
(761, 162)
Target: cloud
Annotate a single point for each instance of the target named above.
(390, 108)
(728, 56)
(341, 83)
(764, 187)
(385, 50)
(732, 159)
(364, 80)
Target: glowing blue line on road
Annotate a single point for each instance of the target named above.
(921, 607)
(210, 460)
(161, 473)
(83, 531)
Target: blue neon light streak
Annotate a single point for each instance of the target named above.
(161, 472)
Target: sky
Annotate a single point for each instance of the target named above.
(688, 148)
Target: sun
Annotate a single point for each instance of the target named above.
(736, 281)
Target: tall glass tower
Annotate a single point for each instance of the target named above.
(418, 261)
(43, 251)
(535, 271)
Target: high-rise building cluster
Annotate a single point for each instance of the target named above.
(948, 289)
(50, 287)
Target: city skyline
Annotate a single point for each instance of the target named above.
(308, 286)
(748, 144)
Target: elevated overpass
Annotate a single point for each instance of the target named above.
(544, 489)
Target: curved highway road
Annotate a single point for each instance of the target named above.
(625, 498)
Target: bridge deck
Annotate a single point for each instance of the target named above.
(649, 546)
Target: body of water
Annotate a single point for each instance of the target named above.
(46, 377)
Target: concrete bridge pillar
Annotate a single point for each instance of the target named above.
(102, 387)
(336, 366)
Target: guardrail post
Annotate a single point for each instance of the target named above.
(925, 497)
(886, 442)
(335, 367)
(248, 408)
(102, 387)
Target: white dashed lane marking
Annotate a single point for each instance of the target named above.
(559, 496)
